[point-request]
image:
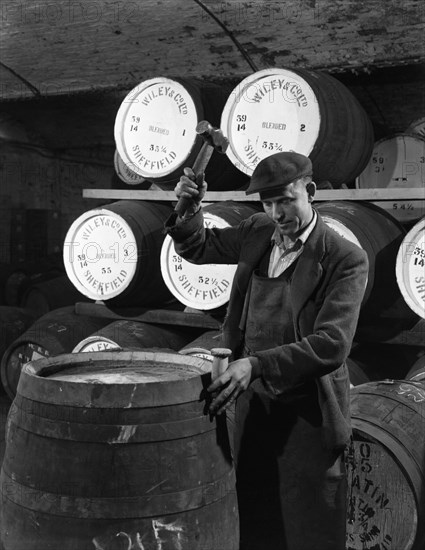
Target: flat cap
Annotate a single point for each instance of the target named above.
(278, 170)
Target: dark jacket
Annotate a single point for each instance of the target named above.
(327, 288)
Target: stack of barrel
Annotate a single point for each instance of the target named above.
(117, 402)
(387, 477)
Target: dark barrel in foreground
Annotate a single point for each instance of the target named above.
(113, 450)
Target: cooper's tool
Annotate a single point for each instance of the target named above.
(213, 140)
(220, 361)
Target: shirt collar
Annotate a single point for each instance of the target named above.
(286, 242)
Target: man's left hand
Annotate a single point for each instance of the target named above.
(234, 380)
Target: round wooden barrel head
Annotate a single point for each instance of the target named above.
(95, 343)
(396, 161)
(342, 229)
(126, 172)
(28, 351)
(12, 365)
(155, 127)
(410, 268)
(382, 511)
(270, 111)
(100, 254)
(144, 372)
(202, 287)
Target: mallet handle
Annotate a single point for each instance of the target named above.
(199, 166)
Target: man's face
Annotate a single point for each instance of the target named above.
(291, 209)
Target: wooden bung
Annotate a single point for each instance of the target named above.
(220, 361)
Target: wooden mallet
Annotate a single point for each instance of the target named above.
(214, 140)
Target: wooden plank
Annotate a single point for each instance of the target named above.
(154, 316)
(214, 196)
(62, 47)
(404, 211)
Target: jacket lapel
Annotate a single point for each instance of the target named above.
(308, 270)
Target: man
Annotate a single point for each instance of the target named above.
(290, 322)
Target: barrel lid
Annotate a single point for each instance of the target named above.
(410, 268)
(341, 228)
(396, 161)
(155, 127)
(202, 287)
(126, 172)
(95, 343)
(111, 379)
(100, 254)
(270, 111)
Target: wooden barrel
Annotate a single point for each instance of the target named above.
(127, 175)
(207, 286)
(202, 346)
(16, 278)
(410, 268)
(155, 131)
(386, 494)
(133, 461)
(125, 334)
(14, 321)
(417, 370)
(113, 253)
(373, 361)
(52, 334)
(396, 161)
(280, 109)
(379, 235)
(48, 295)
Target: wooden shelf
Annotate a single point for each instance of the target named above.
(394, 194)
(405, 205)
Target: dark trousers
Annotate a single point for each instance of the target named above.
(291, 491)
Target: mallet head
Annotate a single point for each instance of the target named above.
(213, 136)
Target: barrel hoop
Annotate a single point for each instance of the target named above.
(110, 433)
(112, 508)
(404, 458)
(404, 398)
(35, 382)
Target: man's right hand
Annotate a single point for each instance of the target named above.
(191, 187)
